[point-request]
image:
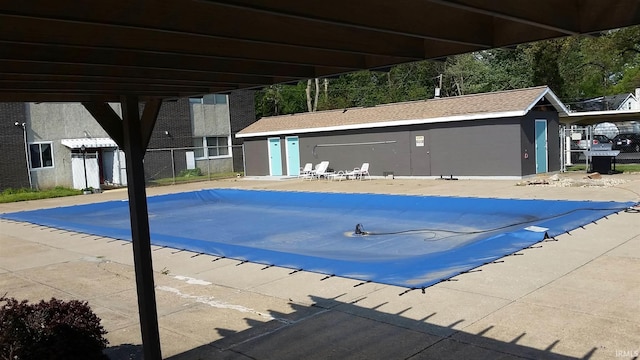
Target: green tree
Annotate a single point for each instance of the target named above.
(544, 57)
(412, 81)
(507, 69)
(574, 68)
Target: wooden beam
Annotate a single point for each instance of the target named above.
(175, 74)
(140, 235)
(108, 119)
(148, 120)
(18, 51)
(147, 42)
(283, 12)
(561, 29)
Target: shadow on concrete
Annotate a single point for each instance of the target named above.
(331, 329)
(124, 352)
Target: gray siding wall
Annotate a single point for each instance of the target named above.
(420, 153)
(554, 140)
(384, 151)
(468, 148)
(476, 148)
(256, 157)
(528, 137)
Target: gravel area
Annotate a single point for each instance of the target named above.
(589, 180)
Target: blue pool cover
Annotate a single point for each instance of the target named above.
(409, 241)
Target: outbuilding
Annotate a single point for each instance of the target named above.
(506, 134)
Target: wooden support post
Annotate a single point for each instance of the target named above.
(138, 212)
(132, 134)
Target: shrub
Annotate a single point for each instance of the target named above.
(52, 330)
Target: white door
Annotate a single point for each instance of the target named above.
(92, 178)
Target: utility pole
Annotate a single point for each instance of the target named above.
(437, 92)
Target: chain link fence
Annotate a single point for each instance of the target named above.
(575, 140)
(178, 165)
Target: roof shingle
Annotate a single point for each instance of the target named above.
(475, 106)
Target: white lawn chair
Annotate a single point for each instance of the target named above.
(320, 170)
(360, 173)
(305, 172)
(340, 175)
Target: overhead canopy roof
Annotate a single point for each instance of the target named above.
(595, 117)
(89, 143)
(131, 50)
(98, 50)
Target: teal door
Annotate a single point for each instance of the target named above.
(293, 156)
(541, 147)
(275, 157)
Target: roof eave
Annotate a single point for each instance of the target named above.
(483, 116)
(553, 99)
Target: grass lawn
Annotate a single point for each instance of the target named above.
(24, 194)
(625, 168)
(191, 177)
(13, 195)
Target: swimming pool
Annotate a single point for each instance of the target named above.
(409, 241)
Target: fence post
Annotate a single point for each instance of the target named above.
(173, 166)
(208, 167)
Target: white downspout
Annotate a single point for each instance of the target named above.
(26, 151)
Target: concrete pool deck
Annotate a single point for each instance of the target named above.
(577, 297)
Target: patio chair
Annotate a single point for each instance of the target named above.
(320, 170)
(312, 173)
(340, 175)
(305, 172)
(360, 173)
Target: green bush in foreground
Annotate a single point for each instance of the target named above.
(50, 330)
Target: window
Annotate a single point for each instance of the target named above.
(220, 99)
(210, 99)
(211, 146)
(41, 155)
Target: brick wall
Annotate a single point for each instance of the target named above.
(175, 118)
(13, 166)
(242, 111)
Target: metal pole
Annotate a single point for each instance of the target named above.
(140, 235)
(244, 161)
(84, 165)
(26, 151)
(173, 167)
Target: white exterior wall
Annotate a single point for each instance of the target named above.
(210, 119)
(51, 122)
